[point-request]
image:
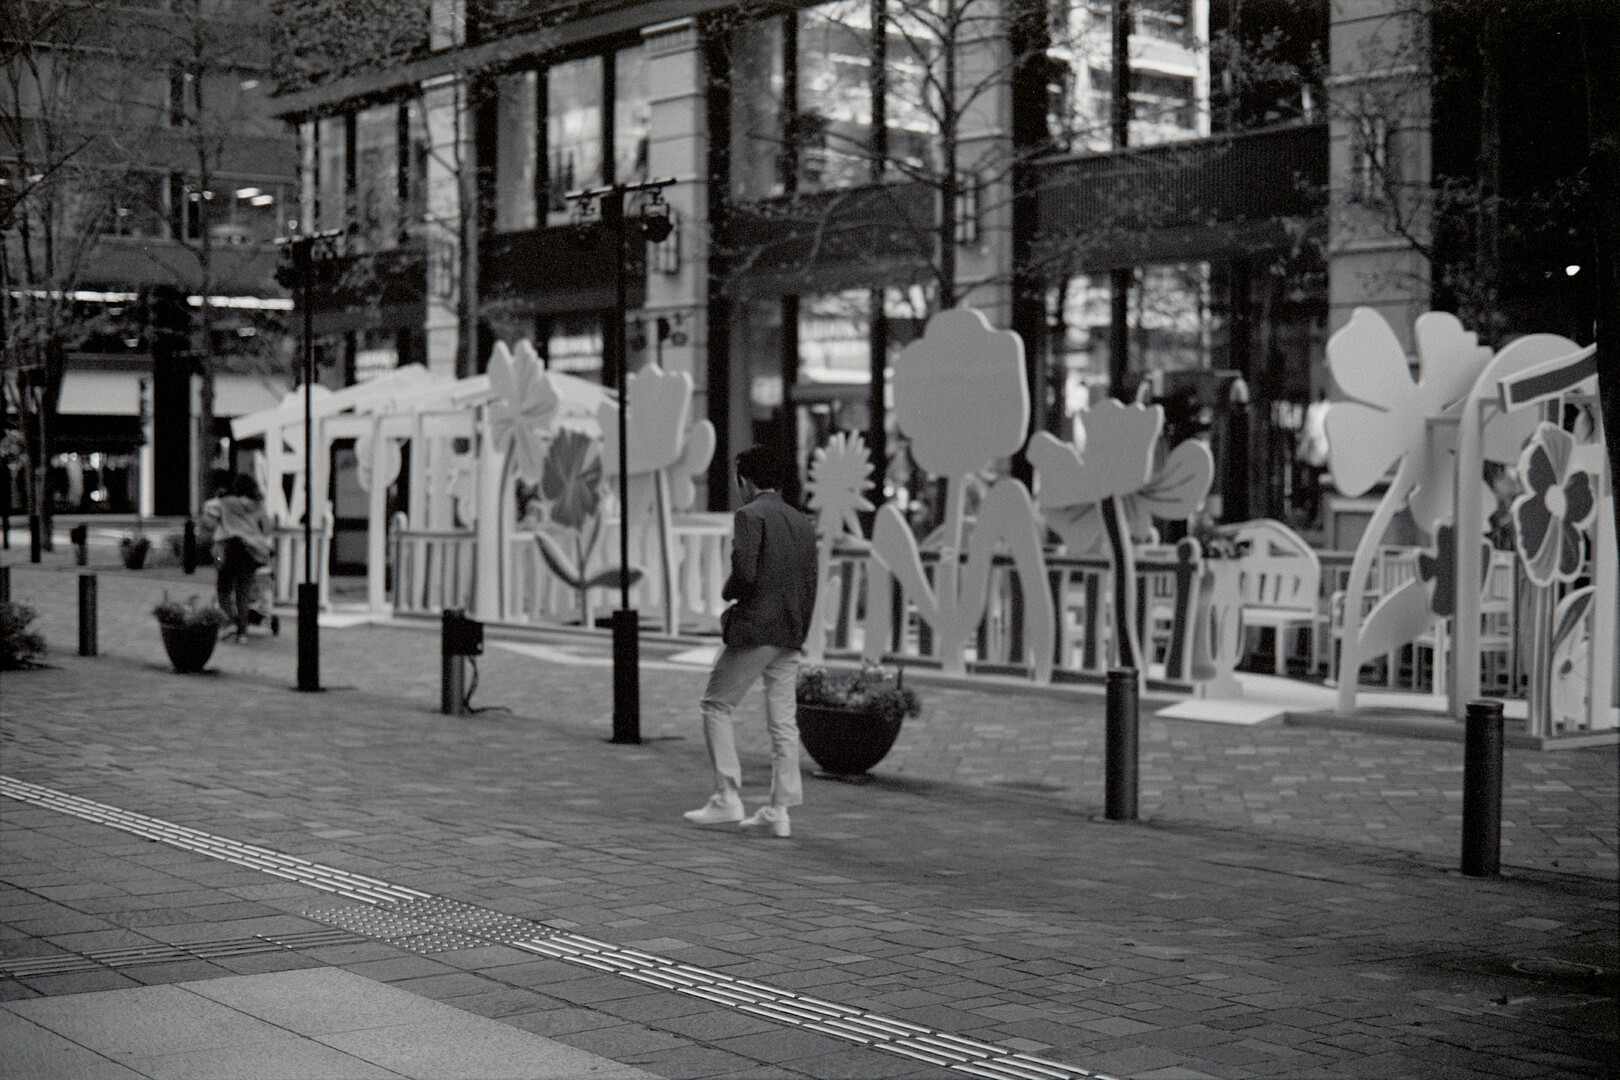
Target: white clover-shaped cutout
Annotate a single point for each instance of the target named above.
(960, 395)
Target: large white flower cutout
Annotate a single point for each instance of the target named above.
(1385, 419)
(522, 407)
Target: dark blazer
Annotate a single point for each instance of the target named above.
(773, 576)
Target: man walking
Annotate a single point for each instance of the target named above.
(773, 581)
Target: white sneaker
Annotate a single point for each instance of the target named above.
(774, 816)
(719, 810)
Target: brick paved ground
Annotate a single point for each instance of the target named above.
(1287, 908)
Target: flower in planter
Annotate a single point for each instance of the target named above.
(869, 691)
(170, 613)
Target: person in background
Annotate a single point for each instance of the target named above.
(219, 486)
(773, 581)
(241, 545)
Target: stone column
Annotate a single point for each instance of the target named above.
(678, 268)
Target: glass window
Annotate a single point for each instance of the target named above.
(252, 214)
(573, 128)
(137, 208)
(835, 344)
(833, 129)
(575, 345)
(909, 111)
(331, 172)
(756, 109)
(632, 115)
(376, 175)
(375, 355)
(516, 150)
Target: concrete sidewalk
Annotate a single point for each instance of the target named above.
(321, 1022)
(1288, 907)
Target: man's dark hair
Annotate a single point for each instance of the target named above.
(765, 466)
(246, 487)
(219, 481)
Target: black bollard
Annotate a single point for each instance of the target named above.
(1119, 795)
(459, 638)
(80, 535)
(87, 614)
(34, 537)
(188, 548)
(309, 636)
(1482, 790)
(626, 677)
(5, 584)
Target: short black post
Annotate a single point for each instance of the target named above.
(87, 614)
(1482, 790)
(35, 533)
(80, 535)
(1119, 794)
(452, 684)
(188, 548)
(5, 584)
(309, 636)
(626, 677)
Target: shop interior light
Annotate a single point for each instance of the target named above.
(1572, 269)
(261, 200)
(246, 192)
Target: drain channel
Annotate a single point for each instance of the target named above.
(159, 953)
(422, 922)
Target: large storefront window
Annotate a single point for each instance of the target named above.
(1171, 327)
(757, 80)
(833, 128)
(376, 175)
(632, 115)
(573, 128)
(517, 150)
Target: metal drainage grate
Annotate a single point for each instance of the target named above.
(290, 867)
(159, 953)
(407, 917)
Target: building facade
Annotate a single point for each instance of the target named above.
(842, 170)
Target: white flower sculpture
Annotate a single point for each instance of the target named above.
(961, 398)
(1383, 424)
(840, 473)
(522, 408)
(1115, 492)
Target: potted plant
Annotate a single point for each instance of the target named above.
(189, 632)
(848, 720)
(133, 546)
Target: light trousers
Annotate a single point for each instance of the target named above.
(735, 670)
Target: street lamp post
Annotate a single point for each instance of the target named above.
(651, 226)
(309, 644)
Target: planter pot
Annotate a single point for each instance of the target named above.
(845, 741)
(189, 647)
(135, 553)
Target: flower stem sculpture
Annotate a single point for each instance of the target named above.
(960, 397)
(1115, 491)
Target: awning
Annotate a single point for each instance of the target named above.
(101, 393)
(118, 393)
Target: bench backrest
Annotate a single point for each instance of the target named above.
(1279, 569)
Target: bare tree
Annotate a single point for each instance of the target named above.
(62, 171)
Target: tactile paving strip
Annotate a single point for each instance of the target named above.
(159, 953)
(326, 878)
(418, 921)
